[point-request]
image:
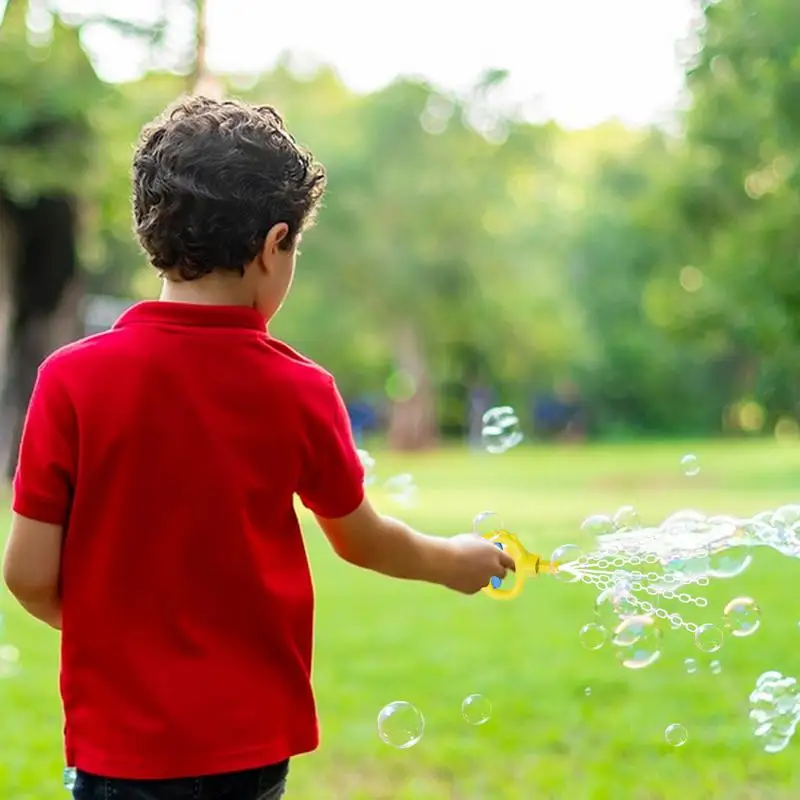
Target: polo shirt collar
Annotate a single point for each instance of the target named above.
(191, 315)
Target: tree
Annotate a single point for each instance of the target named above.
(46, 88)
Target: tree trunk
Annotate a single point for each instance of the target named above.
(41, 271)
(202, 81)
(412, 423)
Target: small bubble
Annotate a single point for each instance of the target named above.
(593, 636)
(9, 661)
(487, 523)
(402, 490)
(597, 525)
(563, 559)
(676, 735)
(715, 667)
(368, 463)
(708, 638)
(476, 709)
(588, 691)
(615, 604)
(690, 466)
(691, 666)
(626, 519)
(501, 429)
(400, 725)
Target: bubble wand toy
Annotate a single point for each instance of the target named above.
(527, 565)
(623, 570)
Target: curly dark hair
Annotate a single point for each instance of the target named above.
(211, 178)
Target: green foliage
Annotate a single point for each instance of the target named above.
(656, 270)
(46, 91)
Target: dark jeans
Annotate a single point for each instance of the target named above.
(267, 783)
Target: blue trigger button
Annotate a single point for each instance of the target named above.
(496, 583)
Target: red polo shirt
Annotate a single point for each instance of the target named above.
(170, 448)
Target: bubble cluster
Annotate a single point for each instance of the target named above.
(774, 710)
(476, 709)
(400, 725)
(501, 429)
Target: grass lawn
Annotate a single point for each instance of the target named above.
(379, 641)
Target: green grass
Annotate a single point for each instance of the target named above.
(379, 641)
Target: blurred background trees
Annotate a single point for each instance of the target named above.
(608, 282)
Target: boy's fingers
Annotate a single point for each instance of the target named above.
(507, 562)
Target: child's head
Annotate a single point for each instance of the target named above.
(221, 195)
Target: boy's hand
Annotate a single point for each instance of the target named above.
(476, 561)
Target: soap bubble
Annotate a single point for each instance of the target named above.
(400, 725)
(715, 667)
(638, 642)
(708, 638)
(588, 691)
(690, 466)
(593, 636)
(626, 519)
(476, 709)
(487, 523)
(742, 616)
(402, 490)
(368, 463)
(615, 604)
(563, 557)
(9, 661)
(597, 525)
(501, 429)
(691, 666)
(69, 778)
(676, 735)
(727, 560)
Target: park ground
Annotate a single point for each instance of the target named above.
(379, 641)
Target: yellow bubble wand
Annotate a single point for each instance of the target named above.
(527, 565)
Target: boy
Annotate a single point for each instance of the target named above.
(153, 520)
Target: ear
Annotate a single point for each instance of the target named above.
(276, 237)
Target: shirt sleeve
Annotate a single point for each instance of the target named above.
(332, 483)
(47, 463)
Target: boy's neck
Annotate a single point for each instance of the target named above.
(210, 290)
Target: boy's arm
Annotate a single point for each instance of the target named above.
(31, 567)
(332, 487)
(43, 488)
(465, 563)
